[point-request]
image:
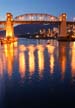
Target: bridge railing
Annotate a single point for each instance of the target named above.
(36, 17)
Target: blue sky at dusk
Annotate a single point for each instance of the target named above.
(53, 7)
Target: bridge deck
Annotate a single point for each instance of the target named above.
(37, 22)
(2, 22)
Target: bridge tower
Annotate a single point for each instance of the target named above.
(9, 25)
(62, 26)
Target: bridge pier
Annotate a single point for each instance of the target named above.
(9, 25)
(62, 26)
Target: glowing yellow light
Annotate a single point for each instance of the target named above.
(31, 50)
(15, 50)
(22, 64)
(63, 65)
(73, 60)
(8, 14)
(62, 58)
(9, 25)
(51, 52)
(15, 44)
(51, 63)
(52, 18)
(22, 48)
(40, 59)
(9, 32)
(5, 49)
(60, 18)
(64, 15)
(50, 49)
(9, 57)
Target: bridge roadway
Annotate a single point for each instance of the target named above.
(37, 22)
(2, 22)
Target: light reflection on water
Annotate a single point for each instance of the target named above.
(31, 59)
(51, 52)
(22, 65)
(40, 54)
(45, 53)
(23, 60)
(73, 60)
(62, 57)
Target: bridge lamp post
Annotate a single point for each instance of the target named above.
(9, 25)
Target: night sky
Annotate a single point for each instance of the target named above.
(53, 7)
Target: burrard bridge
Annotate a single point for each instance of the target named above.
(35, 19)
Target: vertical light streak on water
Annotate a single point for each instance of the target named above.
(62, 57)
(4, 61)
(31, 59)
(22, 61)
(1, 64)
(40, 59)
(16, 49)
(1, 68)
(9, 53)
(73, 59)
(51, 55)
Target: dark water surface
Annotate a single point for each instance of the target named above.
(37, 73)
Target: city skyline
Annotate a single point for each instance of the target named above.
(37, 6)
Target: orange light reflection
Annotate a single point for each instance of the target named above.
(40, 59)
(31, 50)
(9, 57)
(62, 57)
(22, 63)
(73, 60)
(1, 68)
(51, 54)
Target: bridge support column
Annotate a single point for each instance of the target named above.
(9, 25)
(62, 27)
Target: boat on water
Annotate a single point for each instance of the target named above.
(8, 40)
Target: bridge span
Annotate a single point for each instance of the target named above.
(36, 19)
